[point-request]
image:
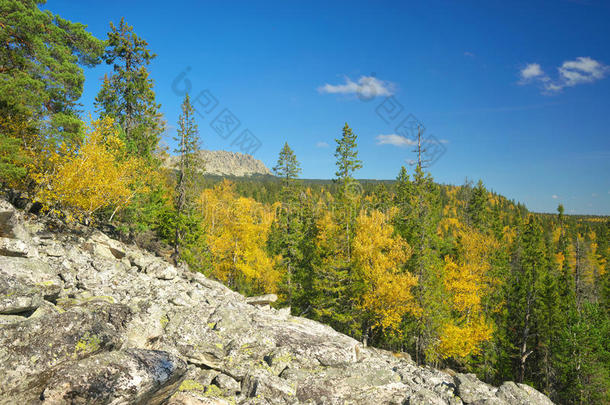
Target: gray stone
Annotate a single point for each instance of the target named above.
(16, 248)
(11, 225)
(227, 384)
(31, 348)
(133, 376)
(262, 300)
(470, 389)
(161, 270)
(521, 394)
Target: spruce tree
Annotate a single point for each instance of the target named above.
(347, 158)
(287, 230)
(127, 94)
(478, 207)
(349, 191)
(189, 165)
(525, 291)
(287, 167)
(418, 202)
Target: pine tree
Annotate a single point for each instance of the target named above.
(287, 230)
(349, 191)
(41, 78)
(478, 207)
(347, 157)
(127, 95)
(189, 165)
(523, 302)
(333, 281)
(287, 167)
(417, 222)
(12, 161)
(333, 301)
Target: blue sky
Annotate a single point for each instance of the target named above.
(517, 92)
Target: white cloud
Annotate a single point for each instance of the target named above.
(321, 145)
(469, 54)
(531, 71)
(367, 86)
(581, 70)
(393, 139)
(569, 74)
(554, 196)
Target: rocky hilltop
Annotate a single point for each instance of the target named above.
(86, 319)
(225, 163)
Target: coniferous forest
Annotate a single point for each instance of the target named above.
(456, 276)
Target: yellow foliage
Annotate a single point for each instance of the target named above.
(509, 234)
(467, 281)
(237, 230)
(380, 256)
(449, 226)
(556, 234)
(459, 341)
(560, 259)
(86, 178)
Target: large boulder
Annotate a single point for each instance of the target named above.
(11, 223)
(132, 376)
(521, 394)
(25, 284)
(33, 347)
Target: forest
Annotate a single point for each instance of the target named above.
(456, 276)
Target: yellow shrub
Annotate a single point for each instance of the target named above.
(95, 175)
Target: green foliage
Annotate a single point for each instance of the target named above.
(41, 78)
(287, 231)
(127, 95)
(189, 165)
(419, 205)
(12, 161)
(477, 208)
(287, 167)
(347, 157)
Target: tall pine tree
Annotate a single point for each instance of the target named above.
(286, 234)
(188, 167)
(127, 94)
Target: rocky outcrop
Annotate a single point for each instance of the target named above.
(225, 163)
(87, 319)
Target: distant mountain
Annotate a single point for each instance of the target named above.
(225, 163)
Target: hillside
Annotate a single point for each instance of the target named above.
(225, 163)
(87, 319)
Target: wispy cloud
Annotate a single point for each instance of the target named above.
(469, 54)
(554, 196)
(366, 86)
(571, 73)
(393, 139)
(321, 145)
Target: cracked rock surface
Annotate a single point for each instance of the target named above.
(85, 319)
